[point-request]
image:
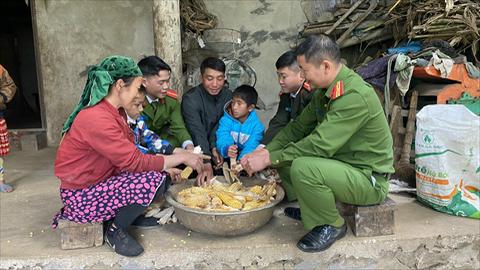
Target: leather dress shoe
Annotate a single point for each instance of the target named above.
(321, 238)
(293, 212)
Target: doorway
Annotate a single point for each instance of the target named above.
(17, 55)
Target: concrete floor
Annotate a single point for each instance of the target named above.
(423, 238)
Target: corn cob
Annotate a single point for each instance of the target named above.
(186, 172)
(234, 187)
(229, 200)
(256, 189)
(253, 204)
(216, 201)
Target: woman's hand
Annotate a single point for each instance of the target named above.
(195, 160)
(179, 150)
(174, 175)
(190, 159)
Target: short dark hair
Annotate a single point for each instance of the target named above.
(213, 63)
(287, 59)
(151, 65)
(247, 93)
(319, 48)
(142, 89)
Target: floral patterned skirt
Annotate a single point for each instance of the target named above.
(101, 202)
(4, 145)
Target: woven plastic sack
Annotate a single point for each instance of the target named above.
(447, 159)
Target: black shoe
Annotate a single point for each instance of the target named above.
(293, 212)
(321, 238)
(121, 242)
(145, 222)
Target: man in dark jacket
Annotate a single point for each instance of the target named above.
(294, 96)
(202, 108)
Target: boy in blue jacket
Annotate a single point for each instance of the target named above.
(240, 130)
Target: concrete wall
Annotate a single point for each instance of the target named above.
(268, 27)
(71, 35)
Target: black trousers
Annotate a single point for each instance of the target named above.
(127, 214)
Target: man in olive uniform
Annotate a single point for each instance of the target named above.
(339, 148)
(294, 95)
(163, 113)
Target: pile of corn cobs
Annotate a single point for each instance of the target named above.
(224, 197)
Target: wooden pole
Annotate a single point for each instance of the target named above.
(167, 38)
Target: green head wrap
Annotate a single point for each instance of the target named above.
(100, 77)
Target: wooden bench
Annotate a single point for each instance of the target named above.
(372, 220)
(75, 235)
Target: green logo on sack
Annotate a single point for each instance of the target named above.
(428, 139)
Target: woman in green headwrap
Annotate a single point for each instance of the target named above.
(103, 175)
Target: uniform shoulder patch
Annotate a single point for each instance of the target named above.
(172, 94)
(307, 86)
(337, 90)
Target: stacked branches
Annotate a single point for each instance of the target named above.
(456, 22)
(196, 17)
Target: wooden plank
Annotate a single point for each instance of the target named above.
(75, 235)
(371, 220)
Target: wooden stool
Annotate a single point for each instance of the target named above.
(76, 235)
(372, 220)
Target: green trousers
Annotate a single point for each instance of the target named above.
(317, 183)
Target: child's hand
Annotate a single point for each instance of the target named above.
(232, 151)
(189, 148)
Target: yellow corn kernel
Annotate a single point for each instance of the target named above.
(198, 190)
(256, 189)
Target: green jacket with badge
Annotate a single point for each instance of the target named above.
(347, 125)
(165, 119)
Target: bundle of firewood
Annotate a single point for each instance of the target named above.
(456, 22)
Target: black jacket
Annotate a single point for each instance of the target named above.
(201, 113)
(288, 109)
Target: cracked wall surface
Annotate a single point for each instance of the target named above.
(73, 35)
(268, 28)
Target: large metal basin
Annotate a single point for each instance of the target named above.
(223, 223)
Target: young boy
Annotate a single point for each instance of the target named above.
(240, 130)
(146, 140)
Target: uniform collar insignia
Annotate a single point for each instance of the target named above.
(337, 90)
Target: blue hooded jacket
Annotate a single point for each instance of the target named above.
(246, 136)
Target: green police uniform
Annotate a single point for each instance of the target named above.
(338, 149)
(289, 107)
(165, 119)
